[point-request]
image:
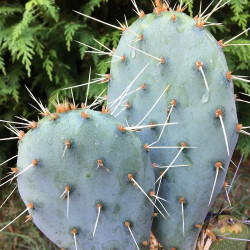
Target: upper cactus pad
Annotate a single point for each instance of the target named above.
(200, 97)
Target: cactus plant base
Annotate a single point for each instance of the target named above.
(224, 232)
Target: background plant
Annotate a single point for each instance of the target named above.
(37, 49)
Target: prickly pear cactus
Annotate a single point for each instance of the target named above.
(184, 79)
(79, 177)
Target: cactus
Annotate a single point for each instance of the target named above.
(72, 169)
(200, 97)
(86, 178)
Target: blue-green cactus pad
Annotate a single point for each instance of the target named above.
(182, 44)
(90, 139)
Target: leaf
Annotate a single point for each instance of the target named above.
(2, 65)
(19, 28)
(241, 19)
(48, 64)
(103, 65)
(7, 10)
(189, 4)
(38, 47)
(90, 6)
(116, 36)
(23, 47)
(240, 55)
(215, 28)
(111, 39)
(69, 32)
(238, 8)
(10, 83)
(49, 7)
(86, 38)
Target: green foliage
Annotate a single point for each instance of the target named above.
(238, 53)
(70, 30)
(48, 63)
(240, 15)
(2, 65)
(189, 5)
(89, 7)
(110, 40)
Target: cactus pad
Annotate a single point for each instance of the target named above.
(78, 170)
(200, 97)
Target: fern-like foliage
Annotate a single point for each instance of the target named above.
(70, 30)
(89, 7)
(240, 12)
(189, 4)
(2, 65)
